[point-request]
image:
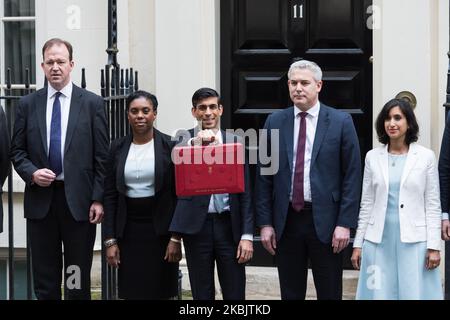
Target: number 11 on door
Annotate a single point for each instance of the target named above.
(298, 11)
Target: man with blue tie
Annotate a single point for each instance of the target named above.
(306, 208)
(59, 147)
(218, 228)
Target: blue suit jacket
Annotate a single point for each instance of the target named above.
(335, 173)
(191, 212)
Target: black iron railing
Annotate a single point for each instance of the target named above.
(116, 84)
(10, 99)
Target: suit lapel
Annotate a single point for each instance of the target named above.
(383, 162)
(75, 108)
(41, 114)
(287, 130)
(160, 153)
(121, 159)
(411, 160)
(322, 126)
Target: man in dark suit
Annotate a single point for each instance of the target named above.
(444, 180)
(216, 228)
(4, 158)
(306, 208)
(59, 148)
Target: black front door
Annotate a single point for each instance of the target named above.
(261, 38)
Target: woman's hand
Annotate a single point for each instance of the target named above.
(173, 251)
(433, 259)
(113, 256)
(356, 258)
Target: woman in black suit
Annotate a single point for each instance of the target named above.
(139, 203)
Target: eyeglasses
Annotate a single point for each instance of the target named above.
(204, 107)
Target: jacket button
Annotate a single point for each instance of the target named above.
(401, 206)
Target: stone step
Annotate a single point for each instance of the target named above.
(262, 283)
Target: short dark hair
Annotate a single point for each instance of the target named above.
(142, 94)
(204, 93)
(50, 43)
(412, 133)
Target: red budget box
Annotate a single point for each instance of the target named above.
(209, 169)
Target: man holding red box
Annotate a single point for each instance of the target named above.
(215, 228)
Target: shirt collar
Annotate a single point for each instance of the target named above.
(66, 91)
(219, 136)
(314, 111)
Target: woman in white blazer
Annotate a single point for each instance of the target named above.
(397, 242)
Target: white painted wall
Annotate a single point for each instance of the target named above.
(186, 57)
(136, 37)
(141, 31)
(440, 47)
(86, 31)
(410, 53)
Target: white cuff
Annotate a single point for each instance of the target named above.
(247, 236)
(444, 215)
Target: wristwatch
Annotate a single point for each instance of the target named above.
(110, 242)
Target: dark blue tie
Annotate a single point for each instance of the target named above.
(54, 153)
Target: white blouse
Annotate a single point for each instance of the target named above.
(140, 170)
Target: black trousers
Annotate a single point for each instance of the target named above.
(214, 243)
(46, 236)
(298, 246)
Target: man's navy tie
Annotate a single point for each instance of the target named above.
(54, 154)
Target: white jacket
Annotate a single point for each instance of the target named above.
(419, 203)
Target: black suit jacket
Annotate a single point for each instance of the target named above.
(115, 192)
(85, 152)
(191, 212)
(4, 158)
(444, 168)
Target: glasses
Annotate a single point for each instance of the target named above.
(204, 107)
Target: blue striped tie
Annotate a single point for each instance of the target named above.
(54, 154)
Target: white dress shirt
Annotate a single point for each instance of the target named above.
(311, 125)
(65, 99)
